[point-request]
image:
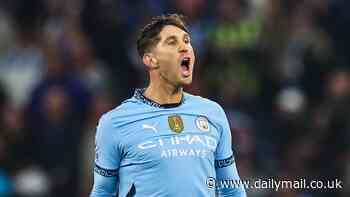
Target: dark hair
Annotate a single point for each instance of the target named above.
(149, 36)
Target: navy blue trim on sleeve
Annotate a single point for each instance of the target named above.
(132, 191)
(224, 162)
(105, 172)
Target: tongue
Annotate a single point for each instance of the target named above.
(185, 71)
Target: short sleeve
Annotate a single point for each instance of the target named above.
(107, 160)
(224, 148)
(224, 161)
(107, 153)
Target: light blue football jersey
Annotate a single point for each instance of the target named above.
(144, 149)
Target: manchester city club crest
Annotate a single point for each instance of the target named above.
(202, 123)
(175, 123)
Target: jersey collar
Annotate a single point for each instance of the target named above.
(138, 94)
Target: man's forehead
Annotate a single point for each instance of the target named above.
(171, 30)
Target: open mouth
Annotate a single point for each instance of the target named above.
(185, 66)
(185, 62)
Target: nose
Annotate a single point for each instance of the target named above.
(183, 48)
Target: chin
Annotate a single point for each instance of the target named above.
(186, 82)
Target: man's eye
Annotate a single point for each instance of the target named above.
(172, 43)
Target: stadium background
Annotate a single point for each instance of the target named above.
(280, 68)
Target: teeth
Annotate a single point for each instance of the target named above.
(185, 61)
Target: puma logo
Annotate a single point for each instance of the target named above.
(152, 127)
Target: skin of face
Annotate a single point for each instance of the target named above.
(164, 60)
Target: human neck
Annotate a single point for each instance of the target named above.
(163, 93)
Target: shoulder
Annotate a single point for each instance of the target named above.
(204, 102)
(118, 113)
(109, 122)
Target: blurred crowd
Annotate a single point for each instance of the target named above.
(279, 68)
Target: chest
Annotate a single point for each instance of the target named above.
(171, 136)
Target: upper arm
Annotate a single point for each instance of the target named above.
(225, 166)
(107, 159)
(224, 148)
(224, 158)
(107, 152)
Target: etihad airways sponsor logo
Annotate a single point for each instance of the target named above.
(173, 141)
(166, 153)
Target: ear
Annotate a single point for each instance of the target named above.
(150, 61)
(146, 59)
